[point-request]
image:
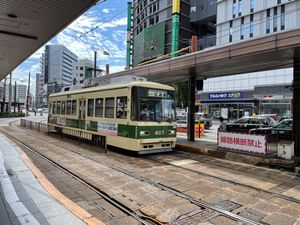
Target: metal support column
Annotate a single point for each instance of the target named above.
(296, 102)
(191, 105)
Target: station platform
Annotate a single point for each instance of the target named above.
(27, 197)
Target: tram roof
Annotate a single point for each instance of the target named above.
(115, 86)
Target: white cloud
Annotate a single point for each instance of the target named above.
(106, 11)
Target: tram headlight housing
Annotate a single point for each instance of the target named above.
(144, 133)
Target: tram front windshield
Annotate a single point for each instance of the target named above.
(152, 105)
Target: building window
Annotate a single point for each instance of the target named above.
(240, 7)
(251, 25)
(90, 111)
(252, 6)
(81, 68)
(242, 28)
(282, 17)
(109, 107)
(278, 2)
(275, 20)
(121, 110)
(157, 18)
(99, 107)
(151, 20)
(234, 9)
(268, 21)
(230, 31)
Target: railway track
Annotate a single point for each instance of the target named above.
(110, 200)
(200, 203)
(288, 198)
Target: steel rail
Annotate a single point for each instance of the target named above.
(87, 184)
(171, 190)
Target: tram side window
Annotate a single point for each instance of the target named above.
(121, 110)
(109, 107)
(99, 107)
(69, 107)
(58, 107)
(74, 105)
(54, 108)
(63, 107)
(90, 107)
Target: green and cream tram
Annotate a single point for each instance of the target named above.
(137, 116)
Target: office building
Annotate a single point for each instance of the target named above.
(262, 92)
(58, 65)
(160, 27)
(83, 69)
(39, 90)
(243, 19)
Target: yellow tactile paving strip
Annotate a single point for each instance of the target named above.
(51, 189)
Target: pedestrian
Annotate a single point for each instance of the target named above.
(222, 127)
(41, 113)
(34, 112)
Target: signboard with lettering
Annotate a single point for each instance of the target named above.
(226, 95)
(107, 128)
(243, 142)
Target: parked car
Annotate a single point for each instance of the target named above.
(274, 116)
(246, 123)
(283, 130)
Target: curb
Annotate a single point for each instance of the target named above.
(81, 213)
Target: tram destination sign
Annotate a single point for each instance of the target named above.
(226, 95)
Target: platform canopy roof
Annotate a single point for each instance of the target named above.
(25, 25)
(274, 51)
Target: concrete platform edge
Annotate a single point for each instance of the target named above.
(237, 157)
(55, 193)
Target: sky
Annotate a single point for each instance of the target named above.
(111, 19)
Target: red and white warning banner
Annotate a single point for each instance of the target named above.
(243, 142)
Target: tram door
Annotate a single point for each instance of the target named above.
(82, 105)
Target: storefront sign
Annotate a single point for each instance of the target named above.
(226, 95)
(243, 142)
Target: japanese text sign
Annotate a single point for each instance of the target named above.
(243, 142)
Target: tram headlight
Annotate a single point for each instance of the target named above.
(171, 131)
(144, 133)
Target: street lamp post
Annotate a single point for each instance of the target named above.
(95, 61)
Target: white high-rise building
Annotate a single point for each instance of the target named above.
(239, 20)
(58, 65)
(82, 70)
(243, 19)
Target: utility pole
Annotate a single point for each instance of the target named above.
(95, 63)
(27, 99)
(15, 96)
(4, 93)
(9, 94)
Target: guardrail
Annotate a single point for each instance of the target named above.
(80, 135)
